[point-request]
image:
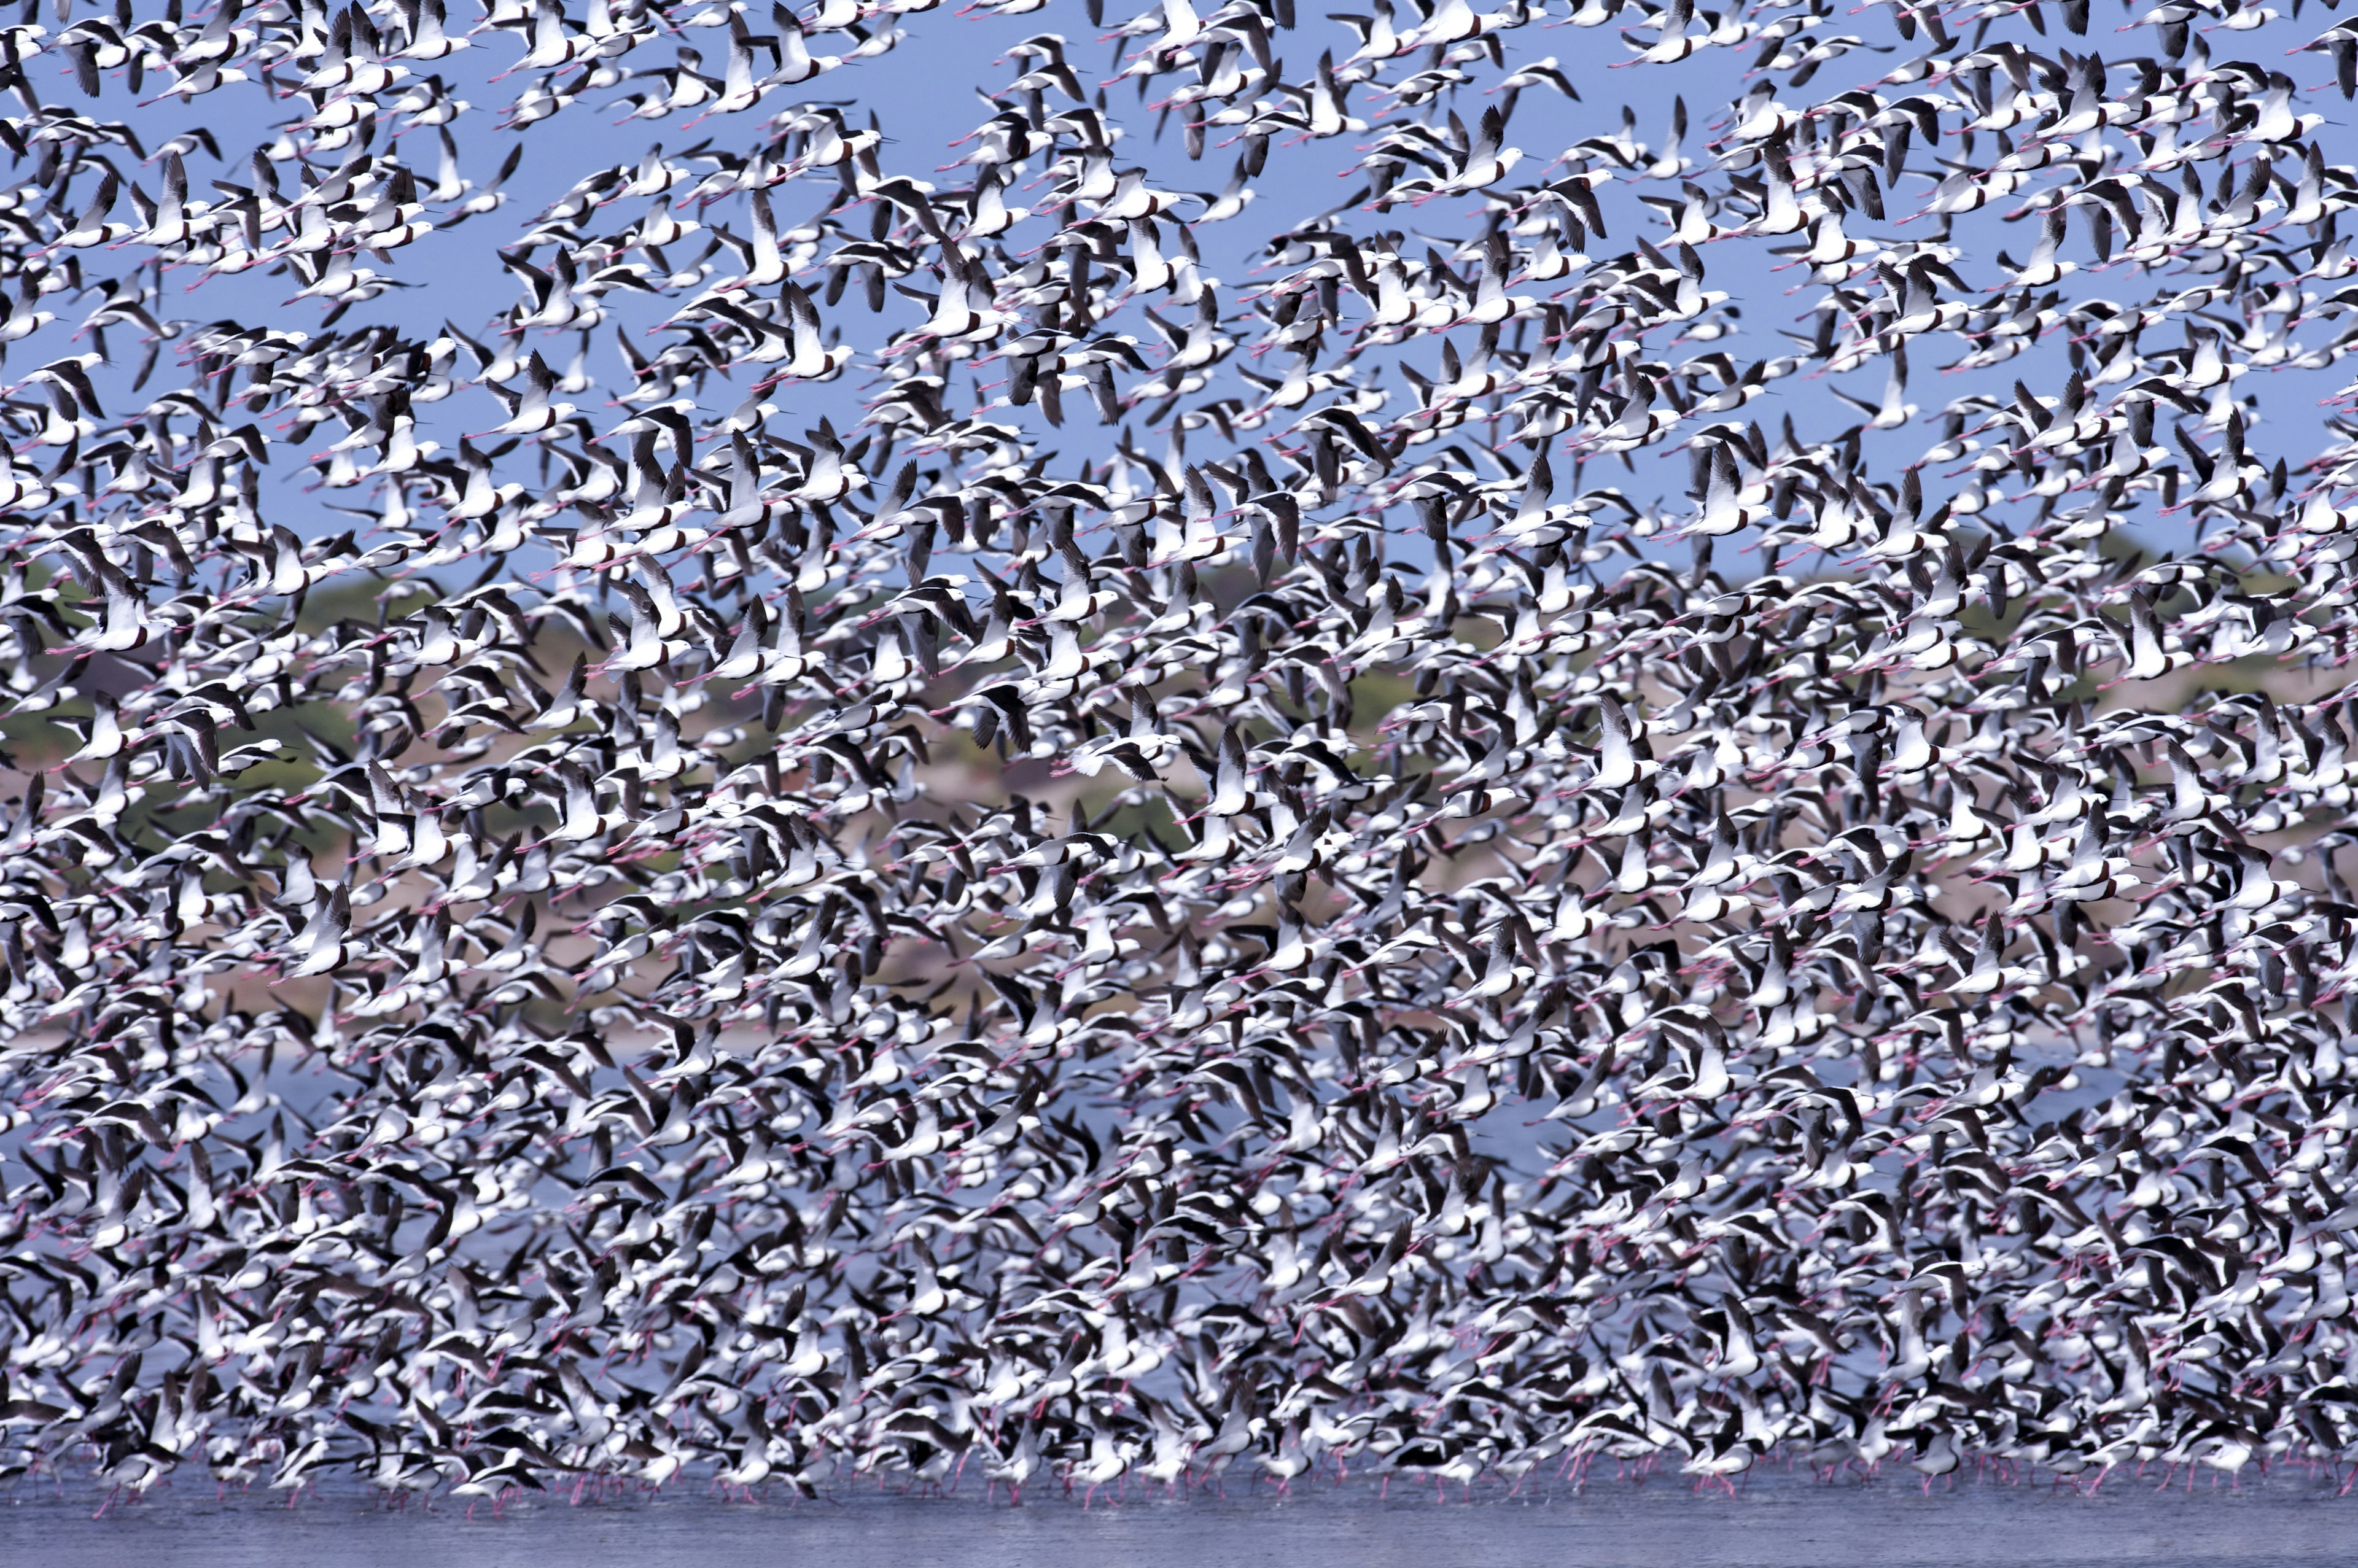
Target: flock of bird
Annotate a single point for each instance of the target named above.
(927, 842)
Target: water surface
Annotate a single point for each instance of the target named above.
(1773, 1520)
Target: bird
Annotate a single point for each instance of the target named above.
(795, 805)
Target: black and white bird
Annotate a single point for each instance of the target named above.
(1139, 801)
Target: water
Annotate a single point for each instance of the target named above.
(1772, 1519)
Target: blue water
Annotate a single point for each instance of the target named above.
(1888, 1522)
